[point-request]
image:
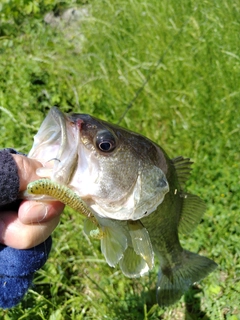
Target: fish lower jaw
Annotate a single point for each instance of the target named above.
(117, 213)
(126, 208)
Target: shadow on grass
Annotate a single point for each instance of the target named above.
(193, 305)
(142, 306)
(133, 307)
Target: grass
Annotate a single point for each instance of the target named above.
(190, 106)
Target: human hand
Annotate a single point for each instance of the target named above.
(35, 220)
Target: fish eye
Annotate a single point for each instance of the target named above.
(105, 141)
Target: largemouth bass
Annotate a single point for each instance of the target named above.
(134, 193)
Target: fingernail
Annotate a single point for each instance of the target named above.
(42, 211)
(36, 213)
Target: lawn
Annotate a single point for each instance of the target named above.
(179, 64)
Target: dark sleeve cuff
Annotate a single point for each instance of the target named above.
(9, 180)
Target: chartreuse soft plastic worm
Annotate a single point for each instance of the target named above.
(61, 193)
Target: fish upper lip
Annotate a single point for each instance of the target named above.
(68, 144)
(57, 114)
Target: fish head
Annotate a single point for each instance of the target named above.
(120, 174)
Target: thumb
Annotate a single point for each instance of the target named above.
(26, 170)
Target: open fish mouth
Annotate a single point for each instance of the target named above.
(56, 146)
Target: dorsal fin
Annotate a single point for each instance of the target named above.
(192, 211)
(193, 207)
(183, 169)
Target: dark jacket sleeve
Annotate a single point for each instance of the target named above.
(17, 267)
(9, 180)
